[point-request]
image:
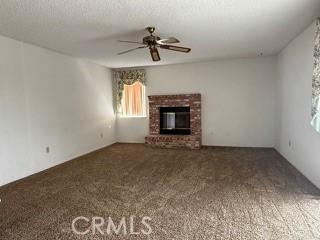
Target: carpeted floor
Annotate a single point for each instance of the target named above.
(214, 193)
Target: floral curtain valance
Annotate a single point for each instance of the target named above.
(316, 81)
(128, 77)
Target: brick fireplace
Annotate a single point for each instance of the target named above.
(175, 121)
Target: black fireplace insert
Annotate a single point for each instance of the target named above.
(175, 120)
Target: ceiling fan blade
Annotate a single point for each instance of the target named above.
(154, 54)
(176, 48)
(130, 50)
(124, 41)
(168, 40)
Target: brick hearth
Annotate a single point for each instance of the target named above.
(192, 141)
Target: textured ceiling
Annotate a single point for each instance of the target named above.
(214, 29)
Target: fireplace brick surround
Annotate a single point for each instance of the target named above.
(192, 141)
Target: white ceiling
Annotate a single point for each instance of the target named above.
(214, 29)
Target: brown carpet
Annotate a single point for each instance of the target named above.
(214, 193)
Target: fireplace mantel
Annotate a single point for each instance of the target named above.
(193, 140)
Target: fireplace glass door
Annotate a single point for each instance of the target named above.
(175, 120)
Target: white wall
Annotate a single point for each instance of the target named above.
(48, 99)
(295, 65)
(238, 100)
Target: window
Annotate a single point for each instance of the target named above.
(316, 118)
(315, 122)
(133, 100)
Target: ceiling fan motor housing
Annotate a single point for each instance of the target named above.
(150, 40)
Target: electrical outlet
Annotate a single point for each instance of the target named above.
(101, 135)
(290, 143)
(109, 126)
(47, 149)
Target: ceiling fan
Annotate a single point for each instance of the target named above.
(154, 42)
